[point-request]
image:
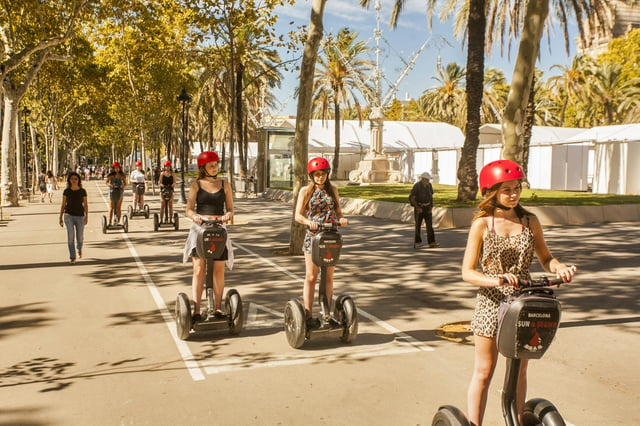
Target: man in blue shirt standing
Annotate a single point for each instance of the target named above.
(421, 199)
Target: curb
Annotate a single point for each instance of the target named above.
(444, 218)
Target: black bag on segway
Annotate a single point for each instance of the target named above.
(211, 242)
(139, 188)
(527, 324)
(167, 193)
(325, 248)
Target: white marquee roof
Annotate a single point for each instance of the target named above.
(397, 136)
(618, 133)
(491, 134)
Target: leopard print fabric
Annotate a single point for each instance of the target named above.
(500, 255)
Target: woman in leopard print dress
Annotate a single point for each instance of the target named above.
(502, 240)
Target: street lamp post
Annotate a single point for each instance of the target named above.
(185, 99)
(25, 113)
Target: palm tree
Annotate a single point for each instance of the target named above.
(339, 73)
(606, 90)
(494, 96)
(567, 84)
(445, 102)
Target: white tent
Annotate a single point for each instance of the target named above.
(554, 161)
(616, 158)
(415, 146)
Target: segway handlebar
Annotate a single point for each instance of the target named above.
(326, 226)
(542, 281)
(212, 222)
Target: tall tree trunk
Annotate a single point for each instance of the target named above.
(239, 119)
(8, 183)
(529, 121)
(336, 135)
(210, 128)
(467, 173)
(524, 69)
(20, 166)
(303, 115)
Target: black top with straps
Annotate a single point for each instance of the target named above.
(167, 180)
(210, 203)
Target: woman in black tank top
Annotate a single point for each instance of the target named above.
(167, 183)
(209, 198)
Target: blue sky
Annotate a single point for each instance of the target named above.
(402, 43)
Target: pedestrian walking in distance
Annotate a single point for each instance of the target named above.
(74, 214)
(421, 198)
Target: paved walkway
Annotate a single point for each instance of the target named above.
(94, 343)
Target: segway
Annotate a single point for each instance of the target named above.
(211, 243)
(167, 195)
(528, 323)
(124, 225)
(325, 252)
(139, 209)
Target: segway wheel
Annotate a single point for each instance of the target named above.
(104, 225)
(130, 210)
(156, 222)
(347, 315)
(146, 211)
(183, 316)
(538, 411)
(234, 310)
(448, 415)
(295, 326)
(176, 224)
(125, 223)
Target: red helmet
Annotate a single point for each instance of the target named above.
(318, 163)
(167, 163)
(207, 157)
(499, 171)
(138, 163)
(115, 164)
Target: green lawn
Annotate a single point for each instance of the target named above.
(445, 196)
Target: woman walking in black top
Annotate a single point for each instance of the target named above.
(75, 211)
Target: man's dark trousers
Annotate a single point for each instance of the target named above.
(426, 215)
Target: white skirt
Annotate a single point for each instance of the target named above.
(192, 242)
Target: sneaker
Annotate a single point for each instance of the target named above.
(219, 315)
(434, 244)
(417, 245)
(80, 254)
(196, 318)
(72, 261)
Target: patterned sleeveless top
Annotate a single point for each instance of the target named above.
(321, 209)
(502, 255)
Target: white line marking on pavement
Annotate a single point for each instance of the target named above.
(187, 356)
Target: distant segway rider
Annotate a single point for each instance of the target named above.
(167, 181)
(209, 197)
(116, 181)
(502, 240)
(138, 186)
(317, 203)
